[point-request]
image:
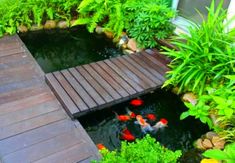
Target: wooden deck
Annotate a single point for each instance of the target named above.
(97, 85)
(33, 125)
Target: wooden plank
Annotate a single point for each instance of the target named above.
(23, 126)
(25, 103)
(102, 82)
(74, 154)
(11, 51)
(118, 88)
(161, 57)
(131, 74)
(69, 105)
(90, 90)
(28, 113)
(107, 97)
(71, 92)
(43, 149)
(127, 78)
(9, 45)
(143, 70)
(79, 89)
(35, 136)
(137, 59)
(116, 77)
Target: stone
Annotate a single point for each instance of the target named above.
(218, 142)
(35, 27)
(209, 161)
(132, 45)
(62, 24)
(190, 97)
(198, 144)
(22, 28)
(50, 24)
(99, 30)
(109, 34)
(206, 143)
(127, 52)
(72, 22)
(210, 135)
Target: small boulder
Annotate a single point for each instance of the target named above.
(35, 27)
(218, 142)
(62, 24)
(190, 97)
(206, 143)
(209, 161)
(109, 34)
(198, 144)
(22, 28)
(99, 30)
(127, 52)
(50, 24)
(132, 45)
(209, 135)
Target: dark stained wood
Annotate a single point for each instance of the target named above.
(33, 124)
(116, 77)
(92, 92)
(107, 97)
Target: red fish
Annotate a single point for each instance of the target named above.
(130, 113)
(137, 102)
(100, 146)
(164, 121)
(151, 117)
(126, 135)
(122, 118)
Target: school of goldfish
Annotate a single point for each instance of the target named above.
(140, 120)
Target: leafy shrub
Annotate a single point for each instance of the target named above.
(145, 150)
(206, 55)
(148, 20)
(227, 155)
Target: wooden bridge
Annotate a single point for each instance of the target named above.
(34, 126)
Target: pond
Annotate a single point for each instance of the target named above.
(103, 126)
(58, 49)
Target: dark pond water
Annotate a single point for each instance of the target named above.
(103, 127)
(59, 49)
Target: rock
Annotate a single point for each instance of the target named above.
(132, 45)
(109, 34)
(22, 28)
(209, 161)
(198, 144)
(218, 142)
(190, 97)
(35, 27)
(72, 22)
(50, 24)
(209, 135)
(99, 30)
(206, 143)
(62, 24)
(127, 52)
(124, 46)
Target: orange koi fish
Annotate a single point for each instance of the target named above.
(126, 135)
(137, 102)
(100, 146)
(151, 117)
(143, 124)
(122, 118)
(130, 113)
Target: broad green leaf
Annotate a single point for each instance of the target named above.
(216, 154)
(184, 115)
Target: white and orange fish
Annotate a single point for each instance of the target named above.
(145, 127)
(160, 124)
(130, 113)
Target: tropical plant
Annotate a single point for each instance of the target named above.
(148, 20)
(227, 155)
(206, 55)
(145, 150)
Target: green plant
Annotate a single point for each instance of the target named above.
(227, 155)
(145, 150)
(206, 55)
(148, 20)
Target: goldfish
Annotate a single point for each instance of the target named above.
(130, 113)
(160, 124)
(151, 117)
(137, 102)
(100, 146)
(143, 124)
(122, 118)
(127, 135)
